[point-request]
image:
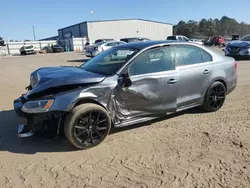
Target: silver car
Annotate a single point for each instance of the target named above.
(95, 49)
(124, 85)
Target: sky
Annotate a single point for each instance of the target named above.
(18, 16)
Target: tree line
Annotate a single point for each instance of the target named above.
(204, 28)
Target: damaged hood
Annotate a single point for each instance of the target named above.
(51, 77)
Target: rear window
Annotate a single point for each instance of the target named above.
(171, 38)
(124, 40)
(100, 40)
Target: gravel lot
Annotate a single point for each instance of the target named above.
(189, 149)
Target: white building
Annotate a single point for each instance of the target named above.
(117, 29)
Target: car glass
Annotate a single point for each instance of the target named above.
(109, 61)
(111, 44)
(245, 38)
(171, 38)
(188, 55)
(206, 56)
(124, 40)
(100, 43)
(180, 38)
(153, 61)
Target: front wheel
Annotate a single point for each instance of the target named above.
(215, 97)
(87, 125)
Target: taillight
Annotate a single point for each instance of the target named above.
(235, 65)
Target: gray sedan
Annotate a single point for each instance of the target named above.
(124, 85)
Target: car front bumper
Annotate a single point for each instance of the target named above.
(238, 53)
(31, 124)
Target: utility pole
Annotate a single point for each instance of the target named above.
(34, 34)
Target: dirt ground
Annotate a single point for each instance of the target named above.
(190, 149)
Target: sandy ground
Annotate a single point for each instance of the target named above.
(189, 149)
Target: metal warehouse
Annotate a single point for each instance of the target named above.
(117, 29)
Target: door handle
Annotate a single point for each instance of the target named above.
(206, 71)
(172, 81)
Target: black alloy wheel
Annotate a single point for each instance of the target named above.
(90, 127)
(87, 126)
(215, 97)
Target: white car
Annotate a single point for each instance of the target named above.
(197, 41)
(184, 38)
(27, 49)
(95, 49)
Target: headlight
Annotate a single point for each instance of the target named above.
(37, 106)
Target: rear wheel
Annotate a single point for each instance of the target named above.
(87, 125)
(215, 97)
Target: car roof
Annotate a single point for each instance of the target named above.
(142, 45)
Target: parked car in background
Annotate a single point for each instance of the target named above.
(87, 44)
(184, 38)
(197, 41)
(103, 40)
(57, 48)
(227, 40)
(235, 37)
(47, 49)
(177, 37)
(134, 39)
(27, 49)
(239, 48)
(124, 85)
(2, 43)
(95, 49)
(218, 41)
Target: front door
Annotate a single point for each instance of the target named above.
(154, 83)
(194, 66)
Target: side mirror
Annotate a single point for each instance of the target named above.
(124, 80)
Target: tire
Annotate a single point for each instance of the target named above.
(215, 97)
(77, 123)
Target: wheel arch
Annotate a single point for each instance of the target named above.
(223, 81)
(87, 100)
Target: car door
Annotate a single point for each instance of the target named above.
(194, 66)
(154, 83)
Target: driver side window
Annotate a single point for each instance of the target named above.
(153, 61)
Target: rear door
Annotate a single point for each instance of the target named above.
(194, 66)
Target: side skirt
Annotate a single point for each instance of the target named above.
(145, 119)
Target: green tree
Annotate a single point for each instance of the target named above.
(225, 27)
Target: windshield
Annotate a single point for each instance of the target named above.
(171, 38)
(28, 47)
(245, 38)
(110, 61)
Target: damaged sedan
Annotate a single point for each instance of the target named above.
(124, 85)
